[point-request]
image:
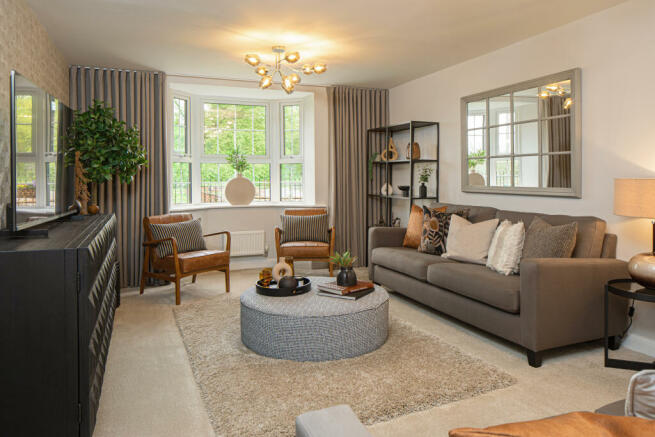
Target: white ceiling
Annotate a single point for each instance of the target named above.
(377, 43)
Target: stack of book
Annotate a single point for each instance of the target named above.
(354, 292)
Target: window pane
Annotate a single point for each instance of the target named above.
(526, 171)
(210, 134)
(260, 143)
(499, 112)
(500, 140)
(211, 115)
(526, 138)
(526, 104)
(226, 114)
(477, 172)
(211, 141)
(244, 117)
(225, 141)
(291, 130)
(24, 138)
(476, 142)
(211, 189)
(500, 170)
(476, 113)
(54, 126)
(291, 182)
(244, 142)
(181, 182)
(51, 183)
(180, 125)
(556, 135)
(25, 184)
(225, 172)
(260, 117)
(262, 180)
(556, 171)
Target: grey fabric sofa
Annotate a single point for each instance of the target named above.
(553, 302)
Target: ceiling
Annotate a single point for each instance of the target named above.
(379, 43)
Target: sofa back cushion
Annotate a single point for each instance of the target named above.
(476, 214)
(188, 236)
(589, 238)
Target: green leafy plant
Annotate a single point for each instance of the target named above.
(345, 259)
(238, 161)
(473, 162)
(107, 146)
(424, 174)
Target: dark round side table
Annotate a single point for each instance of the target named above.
(627, 289)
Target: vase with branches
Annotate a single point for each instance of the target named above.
(423, 177)
(105, 147)
(239, 190)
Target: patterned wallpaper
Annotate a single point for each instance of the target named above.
(26, 48)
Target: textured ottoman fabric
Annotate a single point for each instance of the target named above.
(314, 328)
(335, 421)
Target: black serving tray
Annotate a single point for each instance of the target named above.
(304, 286)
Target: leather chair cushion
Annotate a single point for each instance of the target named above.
(305, 249)
(196, 260)
(406, 260)
(479, 283)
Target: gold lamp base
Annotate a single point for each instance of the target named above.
(642, 269)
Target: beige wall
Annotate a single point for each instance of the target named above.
(26, 48)
(615, 50)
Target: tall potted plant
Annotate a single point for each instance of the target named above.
(105, 147)
(239, 190)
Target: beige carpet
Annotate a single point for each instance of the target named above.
(247, 394)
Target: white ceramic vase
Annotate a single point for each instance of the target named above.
(239, 191)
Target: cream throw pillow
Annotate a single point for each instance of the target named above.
(640, 401)
(506, 248)
(469, 242)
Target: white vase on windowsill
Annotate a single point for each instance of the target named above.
(239, 190)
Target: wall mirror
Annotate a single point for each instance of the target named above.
(524, 138)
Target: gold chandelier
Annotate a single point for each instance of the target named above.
(284, 67)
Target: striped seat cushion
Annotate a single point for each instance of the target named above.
(304, 228)
(188, 236)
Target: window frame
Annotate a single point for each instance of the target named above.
(274, 136)
(575, 191)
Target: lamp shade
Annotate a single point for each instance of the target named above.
(634, 197)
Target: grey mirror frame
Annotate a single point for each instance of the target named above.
(575, 191)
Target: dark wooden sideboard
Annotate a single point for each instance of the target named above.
(58, 296)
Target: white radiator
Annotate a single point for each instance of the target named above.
(248, 243)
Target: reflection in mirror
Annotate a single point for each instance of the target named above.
(500, 172)
(526, 104)
(499, 110)
(556, 135)
(476, 113)
(526, 171)
(500, 140)
(556, 172)
(526, 138)
(476, 142)
(477, 172)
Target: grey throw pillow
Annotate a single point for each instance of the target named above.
(543, 240)
(304, 228)
(188, 236)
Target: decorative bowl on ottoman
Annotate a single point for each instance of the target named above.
(302, 285)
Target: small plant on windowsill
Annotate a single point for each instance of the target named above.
(239, 190)
(423, 178)
(345, 261)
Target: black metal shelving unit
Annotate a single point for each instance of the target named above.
(377, 140)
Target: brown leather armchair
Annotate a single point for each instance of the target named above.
(178, 265)
(306, 250)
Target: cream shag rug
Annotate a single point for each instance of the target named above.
(248, 394)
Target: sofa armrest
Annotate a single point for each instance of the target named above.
(562, 300)
(383, 236)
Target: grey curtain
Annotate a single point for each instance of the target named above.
(559, 140)
(138, 99)
(351, 112)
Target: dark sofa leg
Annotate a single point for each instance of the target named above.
(534, 358)
(614, 342)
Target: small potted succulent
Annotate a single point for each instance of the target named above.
(345, 261)
(423, 177)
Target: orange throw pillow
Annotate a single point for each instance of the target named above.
(567, 425)
(415, 226)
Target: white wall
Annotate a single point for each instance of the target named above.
(265, 217)
(615, 49)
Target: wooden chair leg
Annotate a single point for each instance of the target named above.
(193, 281)
(143, 282)
(331, 268)
(227, 280)
(146, 261)
(177, 290)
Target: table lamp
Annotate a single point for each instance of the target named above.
(636, 198)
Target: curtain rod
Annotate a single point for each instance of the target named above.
(116, 69)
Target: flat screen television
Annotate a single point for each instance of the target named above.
(42, 186)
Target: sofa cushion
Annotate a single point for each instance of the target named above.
(479, 283)
(406, 260)
(188, 236)
(590, 236)
(476, 214)
(194, 261)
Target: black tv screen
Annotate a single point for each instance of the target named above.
(42, 186)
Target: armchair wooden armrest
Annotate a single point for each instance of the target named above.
(228, 238)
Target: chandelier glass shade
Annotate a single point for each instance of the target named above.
(283, 67)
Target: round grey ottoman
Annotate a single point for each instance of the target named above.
(310, 327)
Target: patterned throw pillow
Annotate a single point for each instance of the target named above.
(304, 228)
(542, 240)
(188, 236)
(415, 226)
(435, 229)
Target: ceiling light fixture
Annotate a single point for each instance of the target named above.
(286, 70)
(556, 89)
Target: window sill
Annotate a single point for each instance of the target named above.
(206, 206)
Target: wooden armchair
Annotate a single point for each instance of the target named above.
(178, 265)
(306, 250)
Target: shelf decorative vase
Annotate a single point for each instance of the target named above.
(239, 190)
(423, 191)
(346, 277)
